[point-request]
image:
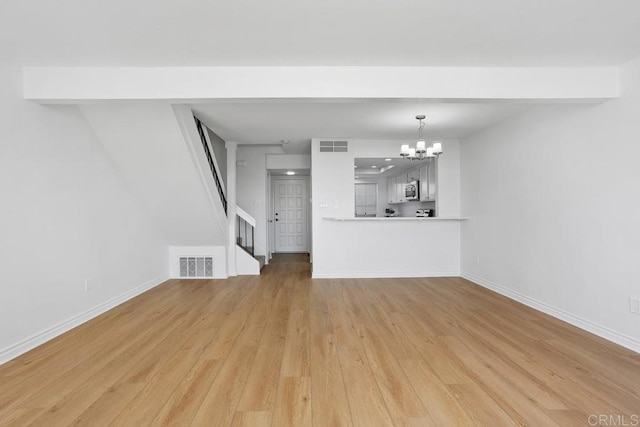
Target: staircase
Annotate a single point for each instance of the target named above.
(247, 262)
(245, 235)
(250, 251)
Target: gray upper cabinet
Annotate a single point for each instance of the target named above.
(428, 181)
(424, 182)
(395, 188)
(391, 190)
(433, 180)
(428, 185)
(401, 180)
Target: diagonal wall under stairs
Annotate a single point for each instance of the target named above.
(149, 147)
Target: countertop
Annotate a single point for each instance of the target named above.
(393, 218)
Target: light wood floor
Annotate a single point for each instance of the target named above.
(282, 349)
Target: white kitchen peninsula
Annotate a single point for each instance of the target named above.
(392, 247)
(391, 219)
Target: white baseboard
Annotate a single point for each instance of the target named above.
(587, 325)
(40, 338)
(381, 274)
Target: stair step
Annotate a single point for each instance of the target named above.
(259, 258)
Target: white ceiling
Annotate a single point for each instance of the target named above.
(321, 33)
(314, 32)
(273, 121)
(375, 167)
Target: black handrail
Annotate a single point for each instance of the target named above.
(207, 152)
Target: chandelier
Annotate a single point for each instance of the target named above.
(421, 151)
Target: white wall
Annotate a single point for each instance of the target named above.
(149, 149)
(448, 196)
(66, 216)
(288, 161)
(554, 201)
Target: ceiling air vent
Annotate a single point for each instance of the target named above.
(333, 146)
(196, 266)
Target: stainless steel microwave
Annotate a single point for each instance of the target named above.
(412, 190)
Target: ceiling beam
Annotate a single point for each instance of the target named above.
(192, 84)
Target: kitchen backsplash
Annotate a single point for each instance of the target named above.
(409, 208)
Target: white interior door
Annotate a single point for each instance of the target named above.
(290, 215)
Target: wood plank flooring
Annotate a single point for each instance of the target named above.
(282, 350)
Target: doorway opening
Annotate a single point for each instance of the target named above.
(289, 214)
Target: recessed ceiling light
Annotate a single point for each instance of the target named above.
(285, 141)
(374, 166)
(355, 166)
(387, 160)
(291, 173)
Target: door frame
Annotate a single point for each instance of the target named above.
(271, 212)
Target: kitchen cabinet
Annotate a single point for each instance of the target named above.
(426, 174)
(391, 190)
(401, 180)
(424, 181)
(395, 188)
(428, 182)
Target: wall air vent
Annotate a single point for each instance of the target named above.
(196, 267)
(333, 146)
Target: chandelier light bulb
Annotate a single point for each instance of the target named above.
(437, 148)
(430, 152)
(420, 146)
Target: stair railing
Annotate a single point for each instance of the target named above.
(245, 234)
(214, 172)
